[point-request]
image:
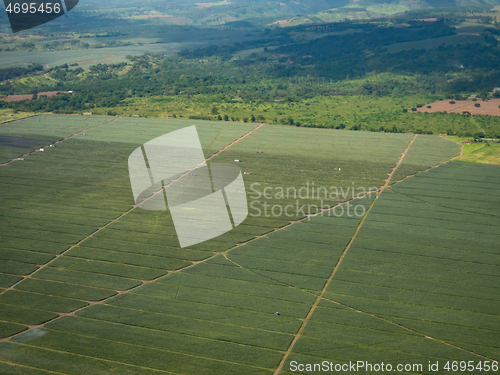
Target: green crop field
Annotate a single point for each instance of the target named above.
(401, 288)
(91, 284)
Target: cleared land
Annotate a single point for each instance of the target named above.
(18, 98)
(140, 304)
(488, 154)
(7, 115)
(489, 107)
(482, 152)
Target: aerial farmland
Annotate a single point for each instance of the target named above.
(92, 284)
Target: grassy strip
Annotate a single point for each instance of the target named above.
(483, 152)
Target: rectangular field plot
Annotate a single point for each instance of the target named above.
(64, 290)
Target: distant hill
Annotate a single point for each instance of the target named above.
(265, 12)
(359, 9)
(261, 13)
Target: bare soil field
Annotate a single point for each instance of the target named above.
(489, 107)
(18, 98)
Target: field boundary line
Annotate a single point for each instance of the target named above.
(400, 161)
(406, 328)
(337, 266)
(62, 140)
(75, 284)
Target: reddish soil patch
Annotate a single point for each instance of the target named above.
(18, 98)
(489, 107)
